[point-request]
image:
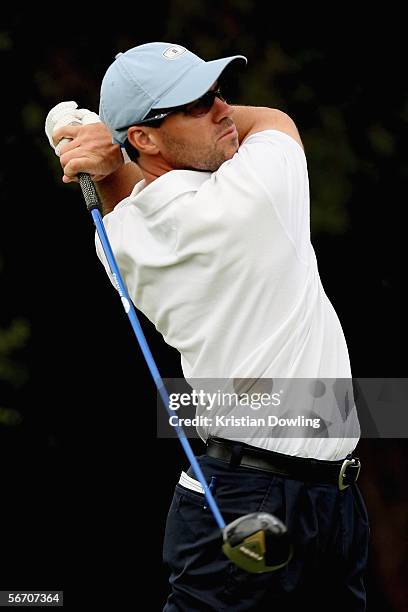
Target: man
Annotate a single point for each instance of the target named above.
(214, 245)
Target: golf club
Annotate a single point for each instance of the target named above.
(257, 542)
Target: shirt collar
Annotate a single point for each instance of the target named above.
(149, 199)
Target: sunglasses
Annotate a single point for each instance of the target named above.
(198, 108)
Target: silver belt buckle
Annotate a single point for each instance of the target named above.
(343, 469)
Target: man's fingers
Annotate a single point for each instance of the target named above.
(67, 131)
(79, 164)
(89, 150)
(74, 179)
(85, 164)
(69, 152)
(67, 179)
(62, 146)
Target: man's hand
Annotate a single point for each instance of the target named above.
(90, 150)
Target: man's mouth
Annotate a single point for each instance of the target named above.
(230, 132)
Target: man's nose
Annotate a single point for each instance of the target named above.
(221, 109)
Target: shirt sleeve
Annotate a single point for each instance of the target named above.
(278, 164)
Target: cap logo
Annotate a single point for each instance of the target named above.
(174, 52)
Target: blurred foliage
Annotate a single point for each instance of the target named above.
(13, 372)
(9, 417)
(340, 81)
(325, 92)
(342, 94)
(12, 339)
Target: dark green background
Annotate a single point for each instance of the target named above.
(86, 485)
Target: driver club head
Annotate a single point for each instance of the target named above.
(257, 543)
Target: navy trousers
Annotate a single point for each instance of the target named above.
(329, 528)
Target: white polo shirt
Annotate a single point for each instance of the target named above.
(223, 265)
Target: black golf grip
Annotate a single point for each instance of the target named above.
(89, 191)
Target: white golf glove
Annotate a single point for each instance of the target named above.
(67, 113)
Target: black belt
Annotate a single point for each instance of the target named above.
(237, 454)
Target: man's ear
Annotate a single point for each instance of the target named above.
(144, 140)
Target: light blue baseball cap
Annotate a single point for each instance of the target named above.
(152, 76)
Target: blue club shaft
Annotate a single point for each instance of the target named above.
(92, 202)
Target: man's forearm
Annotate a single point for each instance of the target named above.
(253, 119)
(117, 186)
(250, 118)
